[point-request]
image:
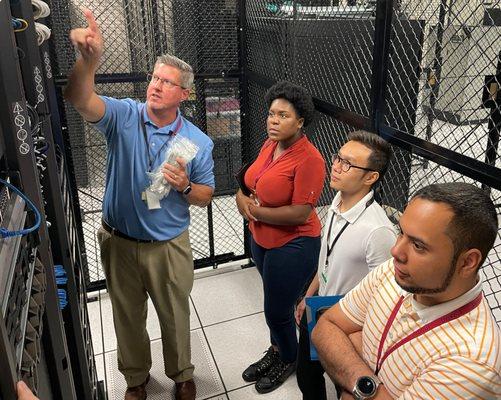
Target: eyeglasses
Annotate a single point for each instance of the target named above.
(164, 82)
(346, 165)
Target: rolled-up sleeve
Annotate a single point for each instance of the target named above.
(202, 171)
(309, 181)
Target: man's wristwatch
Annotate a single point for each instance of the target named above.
(366, 387)
(187, 190)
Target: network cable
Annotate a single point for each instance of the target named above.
(40, 9)
(19, 24)
(43, 32)
(38, 219)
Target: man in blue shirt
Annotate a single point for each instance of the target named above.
(145, 247)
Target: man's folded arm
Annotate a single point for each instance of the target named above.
(336, 352)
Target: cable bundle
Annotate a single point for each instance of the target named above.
(61, 279)
(43, 32)
(40, 9)
(63, 299)
(6, 233)
(19, 24)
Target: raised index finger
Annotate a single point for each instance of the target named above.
(91, 20)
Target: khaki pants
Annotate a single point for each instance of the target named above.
(164, 271)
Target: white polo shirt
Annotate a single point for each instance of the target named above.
(363, 245)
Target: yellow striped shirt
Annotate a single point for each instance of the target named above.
(457, 360)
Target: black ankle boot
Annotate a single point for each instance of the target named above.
(255, 371)
(277, 374)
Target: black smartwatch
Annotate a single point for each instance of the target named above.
(366, 387)
(187, 190)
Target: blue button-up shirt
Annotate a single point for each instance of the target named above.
(127, 166)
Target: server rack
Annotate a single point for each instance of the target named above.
(44, 331)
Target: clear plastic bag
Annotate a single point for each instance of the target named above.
(180, 147)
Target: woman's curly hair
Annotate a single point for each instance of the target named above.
(296, 95)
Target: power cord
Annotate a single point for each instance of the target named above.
(43, 32)
(34, 118)
(40, 9)
(5, 232)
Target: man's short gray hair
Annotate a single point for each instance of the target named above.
(182, 66)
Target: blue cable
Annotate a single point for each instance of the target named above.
(60, 273)
(5, 232)
(63, 302)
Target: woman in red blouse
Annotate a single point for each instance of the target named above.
(286, 180)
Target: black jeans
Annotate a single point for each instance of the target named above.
(309, 374)
(285, 271)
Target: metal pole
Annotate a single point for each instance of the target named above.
(244, 101)
(380, 57)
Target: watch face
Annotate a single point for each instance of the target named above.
(366, 386)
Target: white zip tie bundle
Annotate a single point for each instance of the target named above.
(179, 147)
(40, 9)
(43, 32)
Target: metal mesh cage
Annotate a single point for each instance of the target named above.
(135, 32)
(299, 43)
(454, 74)
(439, 86)
(407, 174)
(428, 78)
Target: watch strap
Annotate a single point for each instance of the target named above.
(187, 190)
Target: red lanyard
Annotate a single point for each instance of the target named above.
(428, 327)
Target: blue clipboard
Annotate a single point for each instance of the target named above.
(314, 307)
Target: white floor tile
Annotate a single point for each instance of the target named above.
(100, 313)
(160, 387)
(236, 344)
(227, 296)
(194, 321)
(288, 391)
(99, 359)
(230, 307)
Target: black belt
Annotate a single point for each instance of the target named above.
(116, 232)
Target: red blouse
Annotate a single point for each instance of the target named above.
(296, 177)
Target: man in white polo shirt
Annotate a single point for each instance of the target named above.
(427, 330)
(357, 237)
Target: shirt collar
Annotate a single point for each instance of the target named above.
(164, 129)
(354, 212)
(427, 314)
(296, 145)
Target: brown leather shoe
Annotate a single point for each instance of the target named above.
(137, 392)
(186, 390)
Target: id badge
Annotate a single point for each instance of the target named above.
(323, 275)
(152, 201)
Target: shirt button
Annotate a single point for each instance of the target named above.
(153, 145)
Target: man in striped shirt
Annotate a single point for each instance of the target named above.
(418, 327)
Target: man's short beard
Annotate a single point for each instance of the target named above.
(440, 289)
